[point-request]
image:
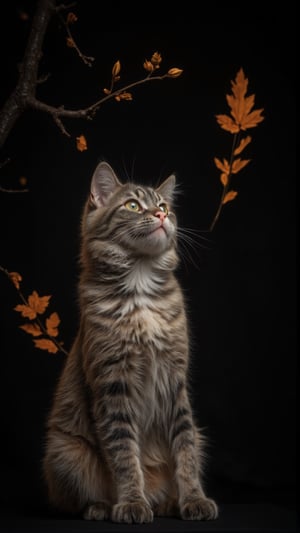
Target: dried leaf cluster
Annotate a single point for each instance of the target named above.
(242, 117)
(43, 330)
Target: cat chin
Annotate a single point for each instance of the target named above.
(156, 243)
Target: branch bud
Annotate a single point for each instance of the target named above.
(116, 69)
(156, 59)
(71, 18)
(70, 42)
(175, 72)
(148, 65)
(123, 96)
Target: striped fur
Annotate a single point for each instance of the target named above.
(121, 440)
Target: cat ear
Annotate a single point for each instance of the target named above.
(167, 188)
(103, 185)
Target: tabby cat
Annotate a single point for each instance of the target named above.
(121, 442)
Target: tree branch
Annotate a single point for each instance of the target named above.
(19, 100)
(88, 113)
(24, 95)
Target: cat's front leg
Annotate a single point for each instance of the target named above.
(118, 435)
(185, 442)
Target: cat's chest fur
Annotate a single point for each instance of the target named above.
(143, 305)
(144, 310)
(145, 321)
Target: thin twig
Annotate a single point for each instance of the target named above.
(13, 191)
(64, 7)
(88, 60)
(88, 112)
(226, 187)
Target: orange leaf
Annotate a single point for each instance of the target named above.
(45, 344)
(239, 85)
(51, 324)
(38, 303)
(224, 178)
(81, 143)
(15, 277)
(244, 142)
(26, 311)
(224, 167)
(32, 329)
(238, 164)
(251, 120)
(240, 106)
(227, 123)
(229, 196)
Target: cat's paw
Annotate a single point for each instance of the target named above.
(132, 512)
(97, 511)
(199, 509)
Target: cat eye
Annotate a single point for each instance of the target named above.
(132, 205)
(164, 208)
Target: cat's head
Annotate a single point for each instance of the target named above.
(137, 218)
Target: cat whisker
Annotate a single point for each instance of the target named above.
(194, 234)
(190, 242)
(185, 255)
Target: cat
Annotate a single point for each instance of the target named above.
(121, 442)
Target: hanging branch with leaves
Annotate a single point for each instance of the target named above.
(124, 94)
(44, 332)
(24, 96)
(241, 118)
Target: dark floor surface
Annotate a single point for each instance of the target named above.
(235, 518)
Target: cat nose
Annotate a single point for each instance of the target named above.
(161, 215)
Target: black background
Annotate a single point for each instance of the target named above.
(240, 284)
